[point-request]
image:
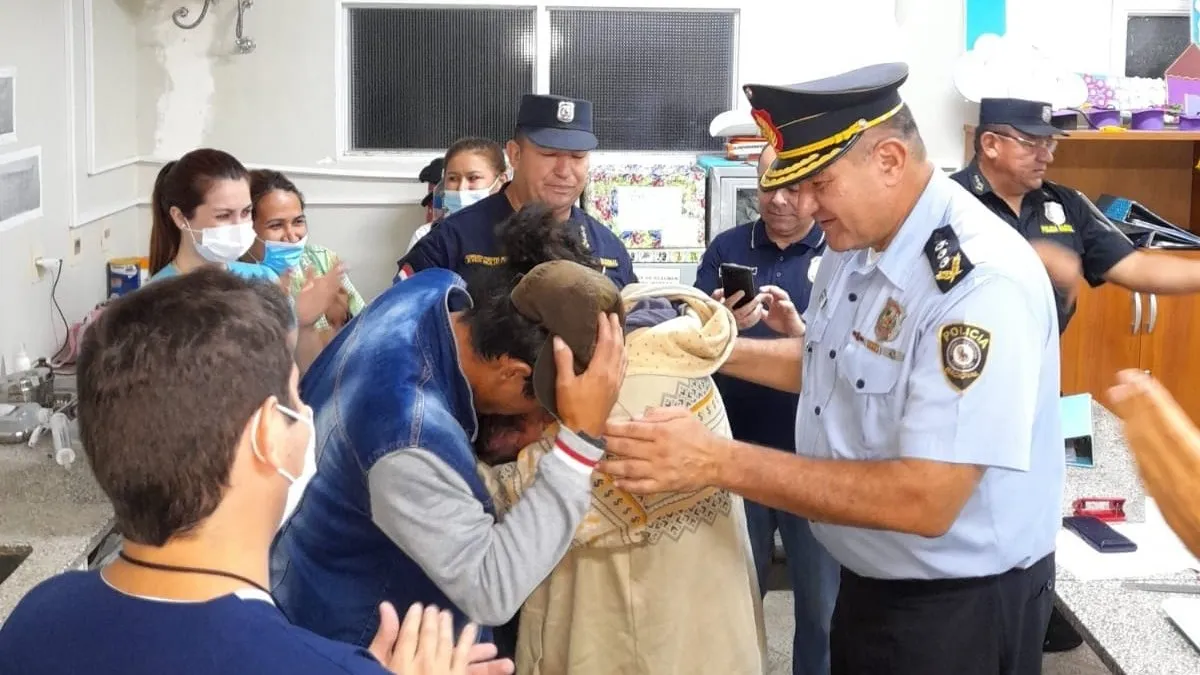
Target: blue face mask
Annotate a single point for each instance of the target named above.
(282, 256)
(456, 200)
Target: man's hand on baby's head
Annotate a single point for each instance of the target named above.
(585, 400)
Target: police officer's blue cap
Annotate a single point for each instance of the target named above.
(811, 124)
(1031, 118)
(557, 122)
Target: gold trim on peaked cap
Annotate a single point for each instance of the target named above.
(811, 124)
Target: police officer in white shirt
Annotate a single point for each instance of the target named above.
(929, 450)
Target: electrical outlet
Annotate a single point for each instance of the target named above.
(105, 238)
(35, 252)
(75, 248)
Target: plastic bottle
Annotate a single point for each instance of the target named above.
(22, 362)
(64, 454)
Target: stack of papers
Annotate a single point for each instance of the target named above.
(1159, 552)
(1185, 614)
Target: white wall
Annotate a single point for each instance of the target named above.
(47, 43)
(109, 88)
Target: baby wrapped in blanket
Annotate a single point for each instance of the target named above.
(651, 584)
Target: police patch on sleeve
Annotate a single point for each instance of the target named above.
(950, 265)
(964, 350)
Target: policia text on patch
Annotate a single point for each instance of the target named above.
(964, 351)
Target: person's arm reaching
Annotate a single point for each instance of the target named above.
(486, 569)
(950, 431)
(489, 569)
(775, 363)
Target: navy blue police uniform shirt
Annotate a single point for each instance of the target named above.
(465, 241)
(1063, 216)
(758, 414)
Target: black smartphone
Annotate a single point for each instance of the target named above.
(1099, 535)
(736, 278)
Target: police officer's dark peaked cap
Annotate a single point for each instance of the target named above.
(557, 122)
(811, 124)
(1029, 117)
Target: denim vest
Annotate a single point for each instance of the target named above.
(389, 380)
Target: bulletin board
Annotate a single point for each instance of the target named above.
(657, 210)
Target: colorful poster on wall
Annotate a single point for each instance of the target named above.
(656, 209)
(983, 17)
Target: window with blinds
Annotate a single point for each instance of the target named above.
(419, 78)
(657, 78)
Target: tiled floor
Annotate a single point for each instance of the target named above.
(778, 609)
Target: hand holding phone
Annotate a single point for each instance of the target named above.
(736, 278)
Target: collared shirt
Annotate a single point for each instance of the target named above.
(943, 347)
(466, 240)
(760, 414)
(1062, 215)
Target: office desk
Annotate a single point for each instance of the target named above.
(1127, 628)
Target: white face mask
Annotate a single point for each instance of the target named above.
(223, 244)
(297, 483)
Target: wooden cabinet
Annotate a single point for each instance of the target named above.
(1114, 328)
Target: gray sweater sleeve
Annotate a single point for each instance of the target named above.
(486, 568)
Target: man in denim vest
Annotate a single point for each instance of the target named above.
(396, 510)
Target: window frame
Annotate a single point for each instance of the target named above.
(412, 161)
(1122, 11)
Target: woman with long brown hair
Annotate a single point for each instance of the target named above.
(202, 217)
(201, 214)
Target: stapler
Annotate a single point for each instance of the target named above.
(1108, 509)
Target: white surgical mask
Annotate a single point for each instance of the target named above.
(456, 200)
(223, 244)
(296, 483)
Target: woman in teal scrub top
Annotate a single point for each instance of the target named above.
(202, 217)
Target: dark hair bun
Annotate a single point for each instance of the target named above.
(533, 236)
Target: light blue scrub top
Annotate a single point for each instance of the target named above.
(242, 269)
(896, 366)
(245, 270)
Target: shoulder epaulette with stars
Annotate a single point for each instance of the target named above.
(946, 258)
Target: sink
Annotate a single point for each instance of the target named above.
(11, 557)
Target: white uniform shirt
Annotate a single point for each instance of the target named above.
(965, 369)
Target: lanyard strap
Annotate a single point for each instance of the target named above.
(191, 570)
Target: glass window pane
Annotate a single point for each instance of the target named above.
(657, 77)
(421, 78)
(1153, 42)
